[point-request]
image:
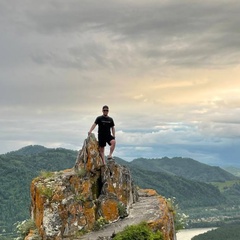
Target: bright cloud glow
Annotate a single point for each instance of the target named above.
(168, 70)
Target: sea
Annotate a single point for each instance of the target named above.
(188, 234)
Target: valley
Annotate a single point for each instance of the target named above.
(210, 196)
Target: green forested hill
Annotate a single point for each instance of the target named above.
(16, 173)
(230, 189)
(18, 168)
(30, 150)
(189, 193)
(185, 167)
(233, 170)
(227, 232)
(207, 204)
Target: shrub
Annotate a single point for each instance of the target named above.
(180, 219)
(24, 227)
(100, 223)
(79, 197)
(138, 232)
(46, 174)
(46, 191)
(122, 211)
(81, 172)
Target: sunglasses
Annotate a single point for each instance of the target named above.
(105, 110)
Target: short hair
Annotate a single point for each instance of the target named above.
(105, 106)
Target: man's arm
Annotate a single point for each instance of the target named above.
(113, 131)
(92, 127)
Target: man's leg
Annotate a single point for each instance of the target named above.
(112, 147)
(101, 150)
(102, 144)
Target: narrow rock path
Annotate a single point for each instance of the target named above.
(146, 209)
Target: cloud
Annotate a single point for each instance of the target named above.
(168, 70)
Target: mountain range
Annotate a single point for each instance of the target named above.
(185, 167)
(190, 181)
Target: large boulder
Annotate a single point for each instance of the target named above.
(68, 203)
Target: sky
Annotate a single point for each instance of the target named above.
(168, 70)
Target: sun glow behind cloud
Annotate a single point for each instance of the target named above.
(171, 80)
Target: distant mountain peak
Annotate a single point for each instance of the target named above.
(30, 149)
(185, 167)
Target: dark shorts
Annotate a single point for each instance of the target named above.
(102, 140)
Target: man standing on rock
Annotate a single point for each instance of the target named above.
(105, 128)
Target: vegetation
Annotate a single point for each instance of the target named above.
(46, 174)
(229, 232)
(188, 193)
(46, 191)
(138, 232)
(180, 219)
(81, 172)
(233, 170)
(17, 171)
(207, 204)
(185, 167)
(100, 223)
(230, 189)
(24, 227)
(122, 210)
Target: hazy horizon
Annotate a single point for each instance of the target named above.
(235, 165)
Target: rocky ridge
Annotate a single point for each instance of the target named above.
(68, 204)
(150, 208)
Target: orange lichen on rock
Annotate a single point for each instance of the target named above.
(58, 194)
(67, 170)
(75, 183)
(30, 235)
(109, 210)
(38, 204)
(148, 192)
(89, 210)
(77, 198)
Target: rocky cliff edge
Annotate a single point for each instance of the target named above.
(69, 204)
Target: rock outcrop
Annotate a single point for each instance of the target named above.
(67, 204)
(151, 208)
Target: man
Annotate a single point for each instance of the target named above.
(106, 126)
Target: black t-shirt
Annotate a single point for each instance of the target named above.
(105, 123)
